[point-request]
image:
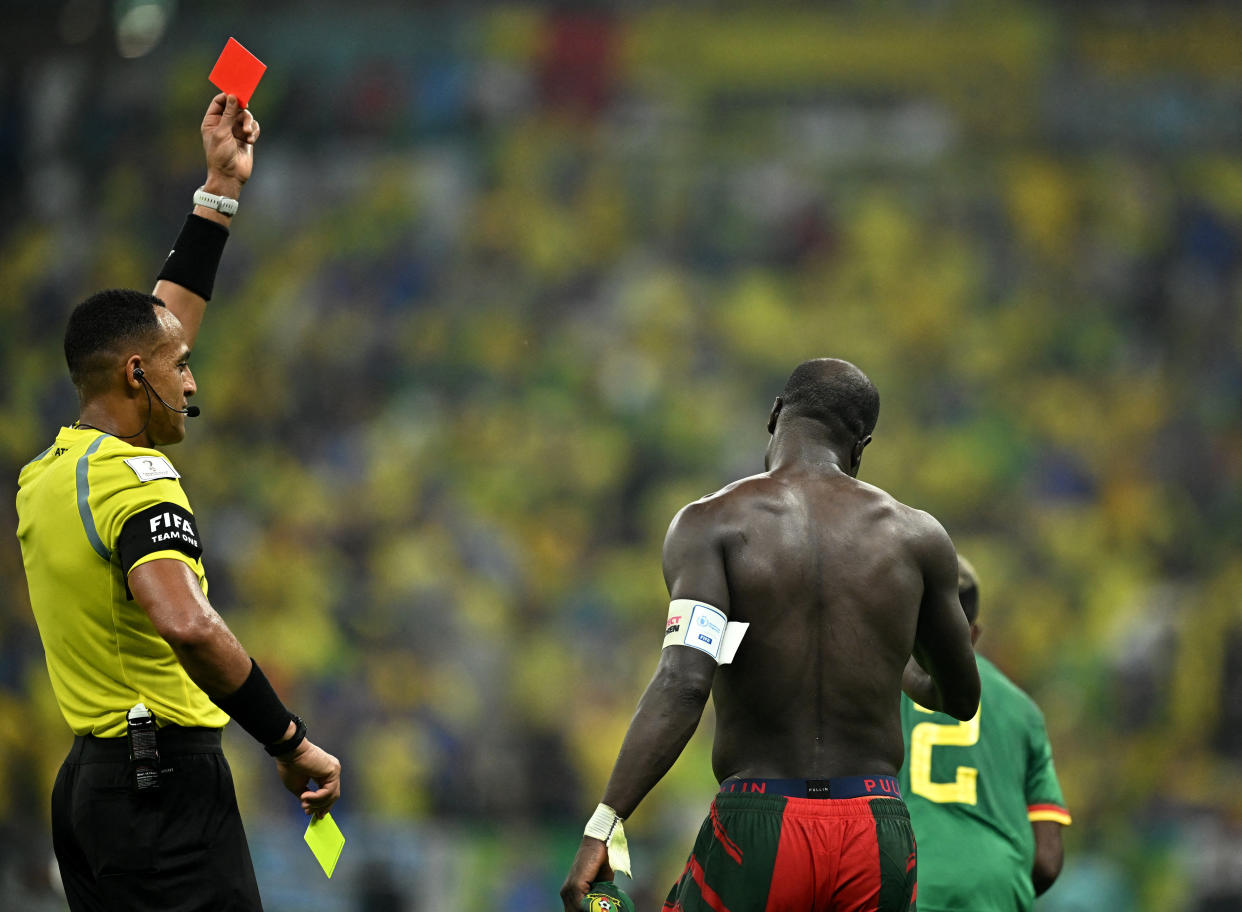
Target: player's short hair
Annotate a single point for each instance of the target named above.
(968, 588)
(835, 393)
(103, 324)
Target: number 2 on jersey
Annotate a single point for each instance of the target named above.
(926, 735)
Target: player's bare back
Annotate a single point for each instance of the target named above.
(822, 567)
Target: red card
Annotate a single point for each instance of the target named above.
(237, 72)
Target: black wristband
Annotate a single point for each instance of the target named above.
(193, 261)
(292, 742)
(257, 709)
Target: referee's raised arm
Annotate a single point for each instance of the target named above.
(186, 281)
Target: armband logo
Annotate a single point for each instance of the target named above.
(674, 624)
(709, 623)
(166, 526)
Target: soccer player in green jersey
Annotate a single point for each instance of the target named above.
(983, 795)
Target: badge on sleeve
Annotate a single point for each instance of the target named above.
(149, 468)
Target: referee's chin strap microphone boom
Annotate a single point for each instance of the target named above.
(190, 411)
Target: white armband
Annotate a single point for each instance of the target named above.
(703, 627)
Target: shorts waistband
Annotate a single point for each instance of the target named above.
(837, 787)
(173, 741)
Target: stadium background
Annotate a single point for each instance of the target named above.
(514, 282)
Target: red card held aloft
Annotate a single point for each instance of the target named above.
(237, 71)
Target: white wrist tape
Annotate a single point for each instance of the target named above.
(602, 823)
(703, 627)
(605, 826)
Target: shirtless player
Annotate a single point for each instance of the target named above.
(839, 583)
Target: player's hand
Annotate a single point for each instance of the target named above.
(229, 134)
(590, 865)
(307, 762)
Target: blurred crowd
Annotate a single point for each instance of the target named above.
(511, 284)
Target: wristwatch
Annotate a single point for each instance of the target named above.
(222, 204)
(285, 746)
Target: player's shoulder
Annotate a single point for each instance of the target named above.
(714, 514)
(919, 529)
(918, 522)
(734, 498)
(1002, 687)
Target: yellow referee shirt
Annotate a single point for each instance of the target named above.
(91, 508)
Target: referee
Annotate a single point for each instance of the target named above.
(146, 673)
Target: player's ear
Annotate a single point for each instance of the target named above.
(856, 455)
(776, 411)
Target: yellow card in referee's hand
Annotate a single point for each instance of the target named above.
(326, 841)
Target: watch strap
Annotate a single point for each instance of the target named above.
(222, 204)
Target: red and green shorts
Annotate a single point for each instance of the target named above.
(763, 850)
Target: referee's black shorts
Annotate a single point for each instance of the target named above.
(178, 848)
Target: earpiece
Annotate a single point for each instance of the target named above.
(190, 411)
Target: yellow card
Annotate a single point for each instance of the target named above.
(326, 841)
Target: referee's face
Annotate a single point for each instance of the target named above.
(170, 376)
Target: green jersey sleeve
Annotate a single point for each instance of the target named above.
(1044, 800)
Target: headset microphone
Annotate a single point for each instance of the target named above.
(190, 411)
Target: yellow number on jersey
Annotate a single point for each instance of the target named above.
(926, 735)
